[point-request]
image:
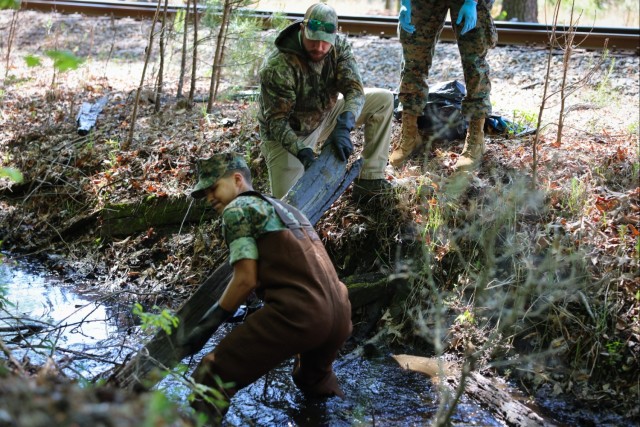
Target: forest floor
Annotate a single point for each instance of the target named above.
(567, 236)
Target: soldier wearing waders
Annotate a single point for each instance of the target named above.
(311, 93)
(420, 25)
(275, 252)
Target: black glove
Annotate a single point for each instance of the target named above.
(340, 137)
(208, 324)
(306, 157)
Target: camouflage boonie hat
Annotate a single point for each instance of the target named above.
(326, 16)
(213, 168)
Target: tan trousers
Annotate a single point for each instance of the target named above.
(285, 169)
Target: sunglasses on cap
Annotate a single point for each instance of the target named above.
(315, 25)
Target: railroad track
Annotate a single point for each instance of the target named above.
(509, 33)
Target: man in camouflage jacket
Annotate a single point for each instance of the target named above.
(421, 22)
(311, 92)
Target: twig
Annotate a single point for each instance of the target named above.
(163, 36)
(194, 63)
(9, 355)
(545, 97)
(12, 35)
(132, 125)
(183, 57)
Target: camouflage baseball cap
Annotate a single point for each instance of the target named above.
(213, 168)
(321, 23)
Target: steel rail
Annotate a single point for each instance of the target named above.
(509, 33)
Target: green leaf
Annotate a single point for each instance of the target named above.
(10, 4)
(32, 61)
(63, 60)
(12, 174)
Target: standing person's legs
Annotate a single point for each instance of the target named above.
(476, 105)
(313, 371)
(473, 47)
(428, 17)
(249, 351)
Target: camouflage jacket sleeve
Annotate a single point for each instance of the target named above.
(278, 99)
(244, 221)
(349, 80)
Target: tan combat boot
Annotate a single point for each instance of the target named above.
(409, 141)
(473, 147)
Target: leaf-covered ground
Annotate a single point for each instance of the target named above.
(577, 231)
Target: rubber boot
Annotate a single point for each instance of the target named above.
(473, 147)
(408, 142)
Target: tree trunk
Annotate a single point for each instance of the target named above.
(127, 143)
(490, 392)
(520, 10)
(220, 62)
(163, 38)
(194, 62)
(217, 57)
(183, 57)
(12, 35)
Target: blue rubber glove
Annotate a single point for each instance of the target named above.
(469, 13)
(405, 17)
(341, 135)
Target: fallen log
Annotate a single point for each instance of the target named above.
(490, 392)
(126, 219)
(88, 115)
(318, 188)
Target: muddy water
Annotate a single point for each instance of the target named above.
(378, 392)
(88, 336)
(83, 329)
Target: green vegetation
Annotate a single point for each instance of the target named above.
(11, 173)
(10, 4)
(525, 119)
(152, 322)
(576, 200)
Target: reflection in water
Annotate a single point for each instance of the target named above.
(75, 329)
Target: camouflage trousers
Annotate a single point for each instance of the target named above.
(428, 17)
(285, 169)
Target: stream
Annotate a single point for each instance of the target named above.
(56, 319)
(89, 336)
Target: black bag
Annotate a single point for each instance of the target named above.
(443, 113)
(442, 116)
(443, 121)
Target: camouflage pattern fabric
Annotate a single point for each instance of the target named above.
(296, 95)
(244, 220)
(418, 49)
